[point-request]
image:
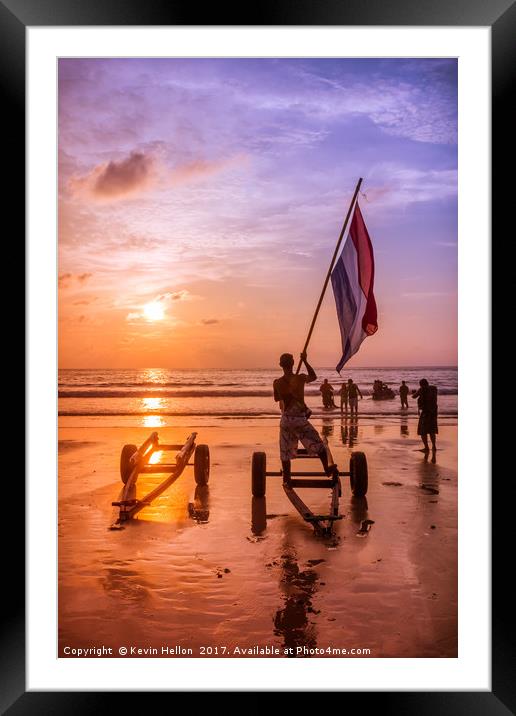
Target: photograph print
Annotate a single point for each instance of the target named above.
(257, 323)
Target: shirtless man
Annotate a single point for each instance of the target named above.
(353, 393)
(289, 392)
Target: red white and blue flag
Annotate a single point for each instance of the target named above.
(352, 280)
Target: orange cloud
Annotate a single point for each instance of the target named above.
(140, 172)
(65, 279)
(85, 302)
(201, 168)
(113, 180)
(182, 295)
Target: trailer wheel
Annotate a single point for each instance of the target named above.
(258, 472)
(125, 466)
(202, 464)
(358, 474)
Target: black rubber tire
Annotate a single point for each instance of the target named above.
(202, 464)
(125, 466)
(358, 477)
(258, 473)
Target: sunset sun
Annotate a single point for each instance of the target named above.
(154, 311)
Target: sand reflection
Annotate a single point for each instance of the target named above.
(258, 515)
(349, 431)
(199, 509)
(327, 427)
(125, 585)
(292, 621)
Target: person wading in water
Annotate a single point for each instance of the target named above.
(404, 391)
(289, 392)
(427, 405)
(353, 393)
(327, 391)
(343, 392)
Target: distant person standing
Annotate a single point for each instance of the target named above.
(353, 393)
(343, 392)
(404, 391)
(427, 405)
(327, 391)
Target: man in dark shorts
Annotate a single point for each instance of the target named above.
(289, 392)
(427, 405)
(404, 391)
(353, 393)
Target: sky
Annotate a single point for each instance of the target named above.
(200, 201)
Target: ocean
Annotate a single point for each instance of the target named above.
(153, 396)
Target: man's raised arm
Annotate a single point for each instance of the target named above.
(311, 372)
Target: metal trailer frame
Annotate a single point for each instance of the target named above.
(135, 461)
(322, 524)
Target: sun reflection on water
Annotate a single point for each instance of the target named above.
(152, 404)
(152, 421)
(153, 375)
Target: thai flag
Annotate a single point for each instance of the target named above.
(352, 279)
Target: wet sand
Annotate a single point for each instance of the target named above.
(221, 576)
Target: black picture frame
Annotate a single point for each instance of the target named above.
(500, 15)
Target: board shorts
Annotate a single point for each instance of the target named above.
(427, 424)
(353, 402)
(294, 429)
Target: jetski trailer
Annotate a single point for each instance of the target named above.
(134, 461)
(322, 523)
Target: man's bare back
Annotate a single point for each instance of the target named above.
(290, 389)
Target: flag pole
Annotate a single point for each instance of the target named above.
(335, 253)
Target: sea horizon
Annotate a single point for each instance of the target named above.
(450, 366)
(245, 392)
